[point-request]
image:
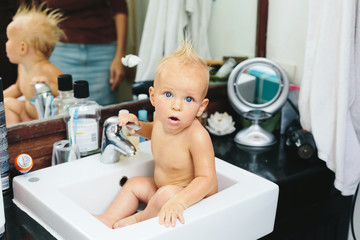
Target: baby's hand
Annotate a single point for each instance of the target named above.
(124, 118)
(38, 79)
(170, 212)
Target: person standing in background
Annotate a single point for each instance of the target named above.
(94, 45)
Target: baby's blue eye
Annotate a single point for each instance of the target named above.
(168, 94)
(188, 99)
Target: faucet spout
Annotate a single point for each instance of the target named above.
(114, 142)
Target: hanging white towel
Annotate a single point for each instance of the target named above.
(329, 100)
(165, 25)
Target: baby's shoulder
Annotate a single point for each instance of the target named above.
(197, 132)
(48, 69)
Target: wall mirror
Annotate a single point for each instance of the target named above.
(227, 13)
(257, 88)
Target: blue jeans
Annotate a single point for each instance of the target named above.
(89, 62)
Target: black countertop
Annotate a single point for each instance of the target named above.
(302, 183)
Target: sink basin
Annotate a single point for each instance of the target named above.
(63, 197)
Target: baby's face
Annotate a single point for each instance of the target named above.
(178, 97)
(13, 44)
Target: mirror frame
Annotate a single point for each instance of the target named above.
(241, 105)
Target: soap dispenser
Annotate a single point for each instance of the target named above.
(82, 120)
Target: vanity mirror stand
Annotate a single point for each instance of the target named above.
(257, 88)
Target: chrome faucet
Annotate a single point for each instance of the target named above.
(114, 142)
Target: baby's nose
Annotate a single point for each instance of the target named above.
(176, 105)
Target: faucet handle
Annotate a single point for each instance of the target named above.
(133, 126)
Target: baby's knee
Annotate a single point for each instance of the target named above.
(143, 187)
(132, 183)
(164, 194)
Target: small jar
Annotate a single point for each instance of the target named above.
(24, 163)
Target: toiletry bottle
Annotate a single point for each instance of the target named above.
(142, 116)
(2, 214)
(4, 155)
(3, 131)
(82, 120)
(23, 163)
(226, 68)
(66, 96)
(142, 113)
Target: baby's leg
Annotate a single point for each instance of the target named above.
(153, 207)
(15, 111)
(127, 201)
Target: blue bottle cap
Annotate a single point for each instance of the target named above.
(142, 115)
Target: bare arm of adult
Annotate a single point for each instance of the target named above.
(117, 70)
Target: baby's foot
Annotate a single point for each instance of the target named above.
(104, 220)
(125, 222)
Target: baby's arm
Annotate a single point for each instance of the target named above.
(12, 91)
(146, 127)
(203, 184)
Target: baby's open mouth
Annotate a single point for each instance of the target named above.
(173, 118)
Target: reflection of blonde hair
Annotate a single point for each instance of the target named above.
(40, 27)
(185, 55)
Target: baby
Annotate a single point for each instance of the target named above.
(32, 36)
(183, 152)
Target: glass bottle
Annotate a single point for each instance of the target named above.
(66, 96)
(4, 155)
(82, 120)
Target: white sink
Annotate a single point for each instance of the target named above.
(62, 198)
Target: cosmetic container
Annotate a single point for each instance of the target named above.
(23, 163)
(142, 116)
(82, 120)
(66, 95)
(226, 68)
(2, 215)
(4, 155)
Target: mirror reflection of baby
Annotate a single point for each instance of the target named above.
(182, 148)
(32, 36)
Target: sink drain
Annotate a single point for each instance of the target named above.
(123, 181)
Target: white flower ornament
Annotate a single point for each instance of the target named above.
(220, 124)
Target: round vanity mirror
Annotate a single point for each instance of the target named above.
(257, 88)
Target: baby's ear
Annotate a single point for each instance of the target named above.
(203, 105)
(151, 95)
(24, 48)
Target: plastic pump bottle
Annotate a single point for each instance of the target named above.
(66, 96)
(82, 120)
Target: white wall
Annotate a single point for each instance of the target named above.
(286, 36)
(232, 28)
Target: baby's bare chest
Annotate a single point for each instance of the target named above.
(171, 155)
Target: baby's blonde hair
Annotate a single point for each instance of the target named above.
(185, 55)
(40, 27)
